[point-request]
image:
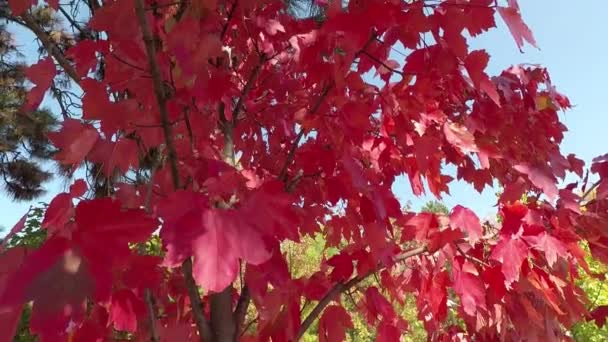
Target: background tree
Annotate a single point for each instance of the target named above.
(435, 207)
(23, 141)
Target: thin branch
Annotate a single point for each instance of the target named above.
(51, 48)
(470, 257)
(241, 308)
(341, 287)
(228, 19)
(151, 315)
(70, 19)
(292, 151)
(375, 59)
(248, 86)
(158, 90)
(204, 329)
(590, 190)
(197, 308)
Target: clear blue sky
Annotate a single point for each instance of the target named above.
(570, 39)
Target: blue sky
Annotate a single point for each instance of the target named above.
(570, 41)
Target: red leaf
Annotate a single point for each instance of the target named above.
(475, 63)
(104, 229)
(18, 7)
(466, 220)
(388, 333)
(511, 252)
(548, 244)
(459, 137)
(74, 140)
(10, 261)
(79, 188)
(470, 288)
(84, 54)
(16, 229)
(125, 308)
(599, 315)
(176, 332)
(216, 238)
(519, 30)
(57, 280)
(333, 324)
(541, 178)
(119, 155)
(41, 74)
(58, 213)
(378, 306)
(343, 267)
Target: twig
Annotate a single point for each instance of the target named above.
(470, 257)
(292, 151)
(228, 19)
(248, 86)
(373, 58)
(51, 48)
(341, 287)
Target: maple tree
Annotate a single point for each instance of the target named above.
(232, 127)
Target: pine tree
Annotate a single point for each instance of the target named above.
(23, 141)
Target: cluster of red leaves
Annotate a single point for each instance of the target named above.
(311, 135)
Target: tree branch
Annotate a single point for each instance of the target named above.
(202, 325)
(344, 286)
(195, 301)
(51, 48)
(248, 86)
(241, 308)
(151, 315)
(228, 19)
(292, 151)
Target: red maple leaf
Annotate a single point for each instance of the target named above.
(216, 238)
(75, 140)
(547, 243)
(468, 285)
(333, 324)
(41, 74)
(120, 155)
(125, 308)
(18, 7)
(466, 220)
(516, 25)
(510, 252)
(10, 314)
(475, 63)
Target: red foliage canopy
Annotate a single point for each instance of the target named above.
(263, 127)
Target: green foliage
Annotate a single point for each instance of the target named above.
(435, 207)
(597, 292)
(32, 236)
